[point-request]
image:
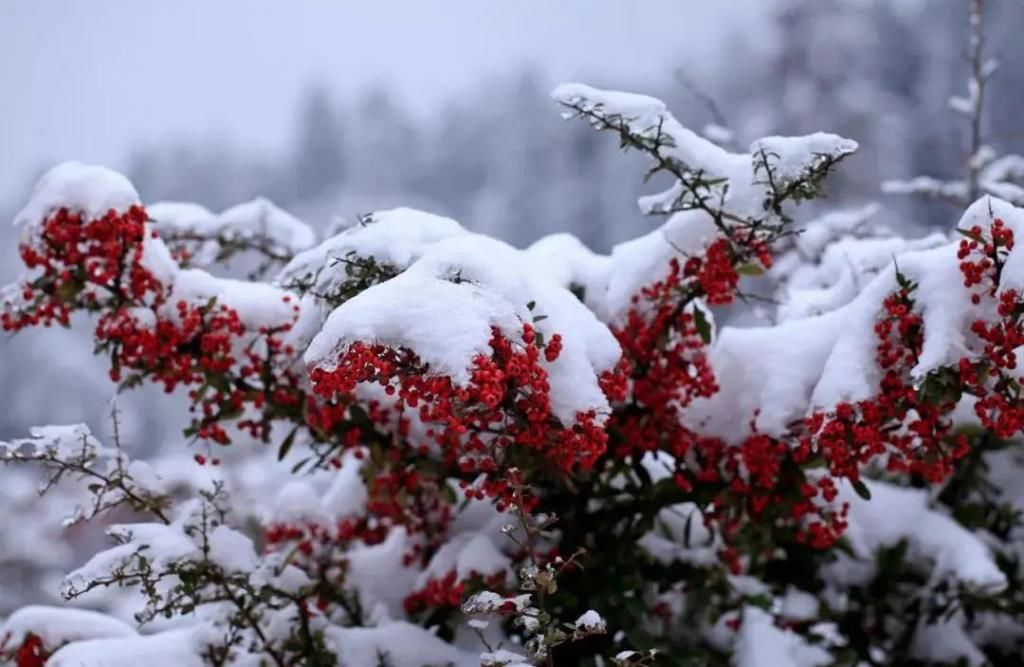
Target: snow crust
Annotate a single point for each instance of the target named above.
(262, 217)
(446, 303)
(403, 643)
(450, 288)
(257, 221)
(790, 157)
(57, 626)
(895, 513)
(762, 644)
(231, 550)
(393, 237)
(81, 188)
(180, 648)
(819, 361)
(182, 217)
(591, 621)
(742, 182)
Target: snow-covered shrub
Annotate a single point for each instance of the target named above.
(422, 446)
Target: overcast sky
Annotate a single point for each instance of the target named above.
(88, 80)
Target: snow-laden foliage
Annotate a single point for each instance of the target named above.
(417, 445)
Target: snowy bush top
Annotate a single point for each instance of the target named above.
(421, 445)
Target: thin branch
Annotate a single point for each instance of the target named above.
(976, 88)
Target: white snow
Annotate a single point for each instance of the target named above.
(63, 442)
(141, 477)
(297, 502)
(894, 514)
(762, 644)
(819, 361)
(450, 288)
(180, 648)
(612, 281)
(392, 238)
(791, 157)
(466, 553)
(231, 550)
(257, 304)
(817, 234)
(404, 644)
(81, 188)
(503, 658)
(161, 545)
(845, 266)
(259, 222)
(591, 621)
(56, 626)
(799, 605)
(945, 641)
(180, 217)
(346, 496)
(379, 574)
(647, 117)
(263, 218)
(445, 304)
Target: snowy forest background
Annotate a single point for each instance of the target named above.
(501, 161)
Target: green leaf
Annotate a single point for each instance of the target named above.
(286, 444)
(530, 305)
(230, 413)
(969, 234)
(861, 488)
(970, 515)
(904, 282)
(67, 292)
(133, 380)
(752, 269)
(702, 324)
(219, 381)
(298, 466)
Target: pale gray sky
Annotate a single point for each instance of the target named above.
(89, 79)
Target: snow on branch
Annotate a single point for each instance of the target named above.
(529, 457)
(830, 358)
(378, 247)
(201, 238)
(112, 479)
(446, 305)
(895, 514)
(733, 188)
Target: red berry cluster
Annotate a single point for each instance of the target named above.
(983, 257)
(908, 425)
(764, 477)
(71, 254)
(715, 272)
(309, 537)
(991, 379)
(97, 264)
(501, 415)
(665, 357)
(448, 592)
(664, 343)
(32, 652)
